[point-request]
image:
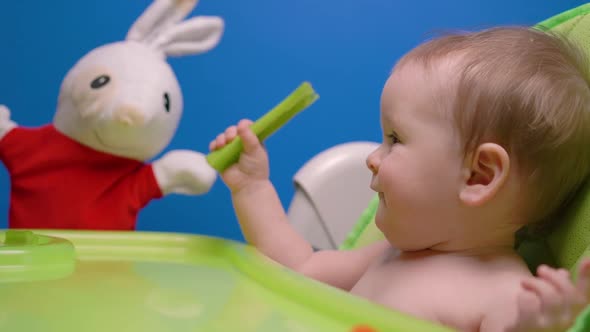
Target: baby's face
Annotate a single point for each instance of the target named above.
(417, 168)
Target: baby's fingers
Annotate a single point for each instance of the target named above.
(550, 297)
(231, 133)
(529, 306)
(223, 138)
(218, 142)
(530, 316)
(560, 280)
(249, 139)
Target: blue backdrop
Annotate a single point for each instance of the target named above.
(345, 48)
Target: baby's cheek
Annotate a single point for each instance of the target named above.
(399, 194)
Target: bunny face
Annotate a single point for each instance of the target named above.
(121, 98)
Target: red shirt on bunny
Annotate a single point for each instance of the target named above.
(59, 183)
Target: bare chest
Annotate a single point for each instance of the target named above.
(433, 289)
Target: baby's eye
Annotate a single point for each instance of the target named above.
(393, 139)
(167, 102)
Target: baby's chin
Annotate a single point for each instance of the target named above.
(404, 241)
(405, 246)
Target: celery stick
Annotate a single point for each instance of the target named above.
(297, 101)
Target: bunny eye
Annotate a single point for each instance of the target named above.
(100, 81)
(167, 102)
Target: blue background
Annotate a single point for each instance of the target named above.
(345, 48)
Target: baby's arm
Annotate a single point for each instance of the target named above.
(265, 225)
(548, 302)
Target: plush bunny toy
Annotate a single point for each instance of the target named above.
(118, 107)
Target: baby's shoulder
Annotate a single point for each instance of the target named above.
(490, 280)
(468, 291)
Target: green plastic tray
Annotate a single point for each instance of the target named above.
(139, 281)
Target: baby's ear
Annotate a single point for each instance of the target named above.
(486, 172)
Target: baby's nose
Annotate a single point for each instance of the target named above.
(373, 161)
(129, 115)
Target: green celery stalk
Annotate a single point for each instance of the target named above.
(297, 101)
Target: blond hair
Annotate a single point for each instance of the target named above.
(528, 91)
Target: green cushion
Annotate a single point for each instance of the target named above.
(571, 239)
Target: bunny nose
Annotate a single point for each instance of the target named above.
(129, 115)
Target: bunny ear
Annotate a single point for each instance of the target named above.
(193, 36)
(157, 17)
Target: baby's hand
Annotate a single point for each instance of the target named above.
(551, 301)
(252, 166)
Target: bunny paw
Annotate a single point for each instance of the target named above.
(6, 124)
(184, 172)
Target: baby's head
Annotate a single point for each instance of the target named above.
(483, 133)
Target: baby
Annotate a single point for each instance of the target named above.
(483, 133)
